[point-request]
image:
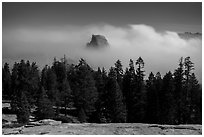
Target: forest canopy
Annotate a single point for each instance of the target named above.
(100, 96)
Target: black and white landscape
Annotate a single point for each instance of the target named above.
(102, 68)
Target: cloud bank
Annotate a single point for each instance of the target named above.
(159, 50)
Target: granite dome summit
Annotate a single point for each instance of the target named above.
(98, 41)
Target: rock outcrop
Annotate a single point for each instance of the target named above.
(45, 122)
(98, 41)
(106, 129)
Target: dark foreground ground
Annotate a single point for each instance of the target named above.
(106, 129)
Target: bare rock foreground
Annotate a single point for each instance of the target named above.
(106, 129)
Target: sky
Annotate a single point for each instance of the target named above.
(41, 31)
(163, 16)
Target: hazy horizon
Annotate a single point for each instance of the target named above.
(41, 31)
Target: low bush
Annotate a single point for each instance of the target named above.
(64, 119)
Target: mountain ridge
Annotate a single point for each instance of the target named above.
(190, 35)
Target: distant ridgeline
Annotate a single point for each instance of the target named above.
(98, 41)
(190, 35)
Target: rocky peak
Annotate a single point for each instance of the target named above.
(98, 41)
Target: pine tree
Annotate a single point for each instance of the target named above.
(116, 108)
(23, 111)
(66, 96)
(86, 93)
(101, 107)
(140, 72)
(43, 79)
(127, 93)
(99, 81)
(178, 92)
(20, 84)
(34, 83)
(119, 72)
(126, 85)
(188, 67)
(15, 87)
(139, 98)
(167, 101)
(104, 111)
(49, 82)
(129, 90)
(60, 69)
(25, 78)
(195, 94)
(158, 96)
(44, 106)
(152, 99)
(6, 82)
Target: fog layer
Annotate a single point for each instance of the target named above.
(160, 50)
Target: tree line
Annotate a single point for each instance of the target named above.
(116, 96)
